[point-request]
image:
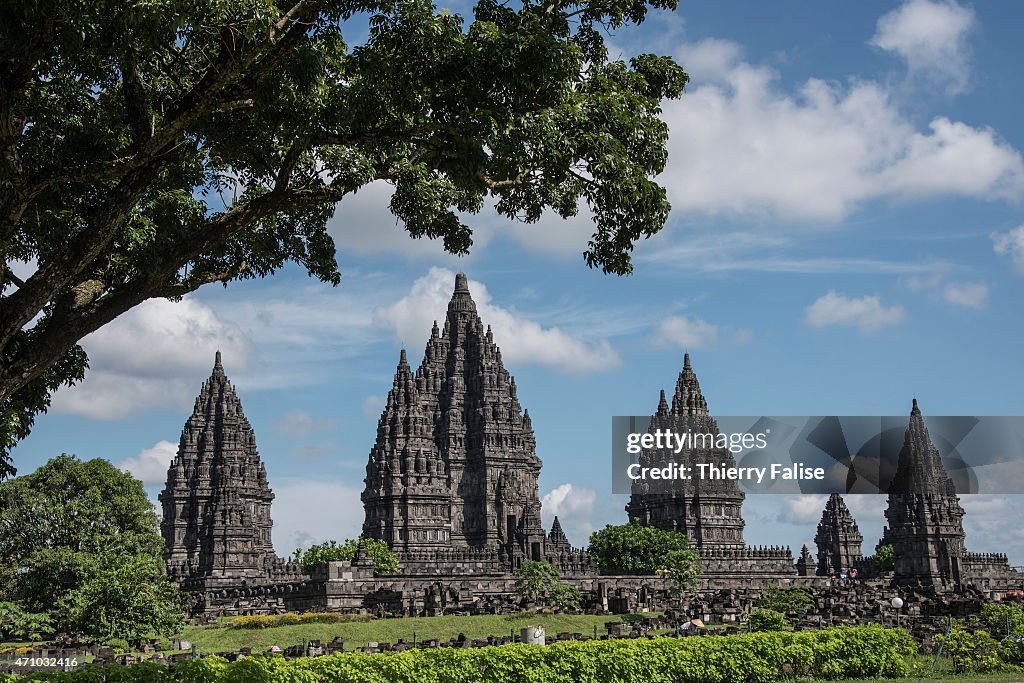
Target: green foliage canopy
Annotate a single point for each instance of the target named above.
(682, 566)
(384, 560)
(80, 546)
(538, 581)
(884, 559)
(634, 548)
(149, 148)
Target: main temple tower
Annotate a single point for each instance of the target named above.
(455, 464)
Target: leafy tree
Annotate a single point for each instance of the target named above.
(884, 559)
(384, 559)
(682, 566)
(634, 548)
(762, 619)
(149, 148)
(535, 578)
(794, 600)
(80, 545)
(120, 601)
(17, 624)
(538, 581)
(566, 597)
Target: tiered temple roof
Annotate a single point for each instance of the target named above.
(924, 515)
(216, 503)
(454, 463)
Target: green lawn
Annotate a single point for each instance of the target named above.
(357, 634)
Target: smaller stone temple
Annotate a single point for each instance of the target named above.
(925, 522)
(216, 503)
(838, 539)
(710, 513)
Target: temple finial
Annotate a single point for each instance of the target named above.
(915, 410)
(216, 361)
(461, 283)
(402, 360)
(686, 361)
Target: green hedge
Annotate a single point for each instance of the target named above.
(860, 652)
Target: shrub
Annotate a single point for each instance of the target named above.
(862, 652)
(784, 600)
(384, 559)
(976, 652)
(634, 548)
(1002, 619)
(291, 618)
(762, 619)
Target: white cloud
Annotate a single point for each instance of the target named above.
(967, 294)
(154, 355)
(741, 145)
(931, 37)
(990, 529)
(307, 511)
(711, 59)
(1011, 244)
(298, 422)
(521, 339)
(574, 508)
(957, 159)
(150, 465)
(865, 313)
(364, 224)
(803, 509)
(726, 251)
(372, 406)
(686, 333)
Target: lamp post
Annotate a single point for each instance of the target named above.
(897, 603)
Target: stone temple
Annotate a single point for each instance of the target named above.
(925, 521)
(838, 539)
(216, 504)
(451, 486)
(455, 463)
(708, 512)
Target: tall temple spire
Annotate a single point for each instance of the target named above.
(688, 399)
(925, 520)
(216, 503)
(475, 442)
(919, 468)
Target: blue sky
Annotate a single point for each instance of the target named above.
(847, 232)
